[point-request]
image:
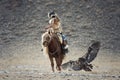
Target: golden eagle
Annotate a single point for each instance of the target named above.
(84, 61)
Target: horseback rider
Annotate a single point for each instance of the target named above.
(55, 24)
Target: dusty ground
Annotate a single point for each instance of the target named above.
(35, 66)
(22, 23)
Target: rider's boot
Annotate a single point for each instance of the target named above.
(65, 47)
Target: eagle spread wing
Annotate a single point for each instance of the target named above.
(84, 61)
(92, 51)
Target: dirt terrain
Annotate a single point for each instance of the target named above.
(22, 23)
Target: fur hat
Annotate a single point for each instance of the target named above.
(52, 14)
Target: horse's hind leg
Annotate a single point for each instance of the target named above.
(52, 63)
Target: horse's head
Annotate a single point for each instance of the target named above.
(47, 37)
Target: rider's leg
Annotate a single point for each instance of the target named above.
(65, 43)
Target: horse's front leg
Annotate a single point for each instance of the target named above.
(52, 62)
(58, 64)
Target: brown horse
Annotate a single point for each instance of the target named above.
(52, 42)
